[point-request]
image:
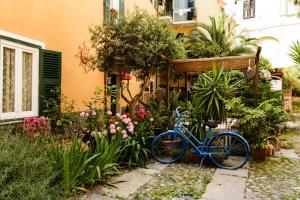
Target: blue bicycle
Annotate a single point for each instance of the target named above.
(227, 149)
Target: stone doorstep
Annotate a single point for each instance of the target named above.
(127, 183)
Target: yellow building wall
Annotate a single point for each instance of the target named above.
(63, 26)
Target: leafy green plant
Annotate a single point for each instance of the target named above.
(265, 64)
(210, 93)
(257, 124)
(291, 78)
(61, 112)
(295, 52)
(136, 151)
(220, 34)
(82, 167)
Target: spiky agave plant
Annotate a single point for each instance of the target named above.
(210, 93)
(295, 52)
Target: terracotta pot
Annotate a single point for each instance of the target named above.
(259, 154)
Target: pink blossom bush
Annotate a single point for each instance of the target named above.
(119, 124)
(33, 126)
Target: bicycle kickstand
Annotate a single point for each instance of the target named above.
(200, 165)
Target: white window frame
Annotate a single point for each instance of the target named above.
(19, 49)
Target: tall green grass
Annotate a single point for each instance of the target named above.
(26, 171)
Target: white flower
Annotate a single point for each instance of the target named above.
(151, 119)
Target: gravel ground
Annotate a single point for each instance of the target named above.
(278, 177)
(177, 182)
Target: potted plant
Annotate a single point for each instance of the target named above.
(258, 124)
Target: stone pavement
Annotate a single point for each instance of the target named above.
(227, 185)
(126, 184)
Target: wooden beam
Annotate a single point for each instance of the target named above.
(186, 85)
(256, 76)
(205, 64)
(168, 85)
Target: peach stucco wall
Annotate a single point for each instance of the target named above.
(63, 26)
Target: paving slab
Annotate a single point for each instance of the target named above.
(225, 187)
(126, 184)
(242, 172)
(289, 153)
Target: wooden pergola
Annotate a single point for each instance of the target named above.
(205, 64)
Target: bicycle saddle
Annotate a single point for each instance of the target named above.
(211, 123)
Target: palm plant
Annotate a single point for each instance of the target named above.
(295, 52)
(210, 93)
(222, 32)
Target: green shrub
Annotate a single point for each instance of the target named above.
(265, 64)
(136, 152)
(200, 49)
(26, 172)
(257, 124)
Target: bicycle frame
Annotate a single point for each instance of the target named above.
(199, 146)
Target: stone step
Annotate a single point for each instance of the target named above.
(126, 184)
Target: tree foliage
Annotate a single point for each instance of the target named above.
(222, 36)
(139, 43)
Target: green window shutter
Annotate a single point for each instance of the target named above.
(50, 76)
(106, 12)
(121, 8)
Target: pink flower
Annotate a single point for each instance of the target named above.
(112, 126)
(130, 130)
(124, 132)
(82, 114)
(94, 113)
(124, 136)
(124, 116)
(125, 121)
(112, 131)
(109, 113)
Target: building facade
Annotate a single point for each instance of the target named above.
(273, 22)
(39, 41)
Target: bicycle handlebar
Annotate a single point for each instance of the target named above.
(179, 114)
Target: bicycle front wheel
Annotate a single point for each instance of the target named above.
(228, 150)
(168, 147)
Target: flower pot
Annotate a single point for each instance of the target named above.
(259, 154)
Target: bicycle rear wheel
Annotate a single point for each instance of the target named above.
(228, 150)
(168, 147)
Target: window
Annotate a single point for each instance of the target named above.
(249, 9)
(113, 8)
(18, 80)
(183, 10)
